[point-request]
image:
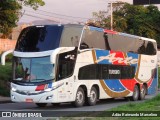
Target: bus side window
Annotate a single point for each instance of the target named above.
(150, 49)
(142, 49)
(93, 39)
(75, 41)
(86, 41)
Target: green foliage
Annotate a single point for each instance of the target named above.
(6, 72)
(34, 3)
(159, 78)
(137, 20)
(148, 106)
(9, 58)
(5, 77)
(4, 92)
(9, 16)
(10, 11)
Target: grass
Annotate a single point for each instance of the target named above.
(5, 76)
(147, 107)
(159, 78)
(5, 72)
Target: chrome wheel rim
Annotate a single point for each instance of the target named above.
(80, 97)
(93, 96)
(136, 93)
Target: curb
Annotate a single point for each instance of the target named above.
(5, 100)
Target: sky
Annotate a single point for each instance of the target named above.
(69, 11)
(66, 11)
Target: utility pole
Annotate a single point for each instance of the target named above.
(111, 15)
(111, 9)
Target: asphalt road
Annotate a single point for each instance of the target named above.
(66, 109)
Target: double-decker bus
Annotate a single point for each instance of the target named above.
(81, 64)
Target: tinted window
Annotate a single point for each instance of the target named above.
(104, 71)
(36, 39)
(93, 39)
(71, 36)
(130, 44)
(89, 72)
(127, 72)
(151, 48)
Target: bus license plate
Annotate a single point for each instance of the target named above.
(29, 100)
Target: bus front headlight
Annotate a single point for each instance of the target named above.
(53, 87)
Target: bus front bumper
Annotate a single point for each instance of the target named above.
(45, 97)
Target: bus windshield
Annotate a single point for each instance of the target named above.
(44, 38)
(33, 69)
(39, 38)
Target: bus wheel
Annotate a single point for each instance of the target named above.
(142, 92)
(41, 104)
(80, 98)
(135, 95)
(93, 96)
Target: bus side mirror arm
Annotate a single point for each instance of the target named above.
(53, 55)
(3, 57)
(58, 51)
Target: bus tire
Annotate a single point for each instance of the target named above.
(80, 98)
(143, 92)
(92, 100)
(135, 95)
(41, 104)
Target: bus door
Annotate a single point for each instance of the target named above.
(65, 68)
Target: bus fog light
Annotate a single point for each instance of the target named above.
(13, 89)
(49, 97)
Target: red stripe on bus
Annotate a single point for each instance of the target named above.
(40, 87)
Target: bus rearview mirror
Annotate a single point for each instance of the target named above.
(58, 51)
(3, 57)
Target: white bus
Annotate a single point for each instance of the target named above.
(81, 64)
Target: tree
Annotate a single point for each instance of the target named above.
(10, 11)
(32, 3)
(136, 20)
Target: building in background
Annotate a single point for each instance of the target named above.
(7, 44)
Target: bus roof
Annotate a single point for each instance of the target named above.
(129, 35)
(106, 31)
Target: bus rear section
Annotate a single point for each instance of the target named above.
(124, 65)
